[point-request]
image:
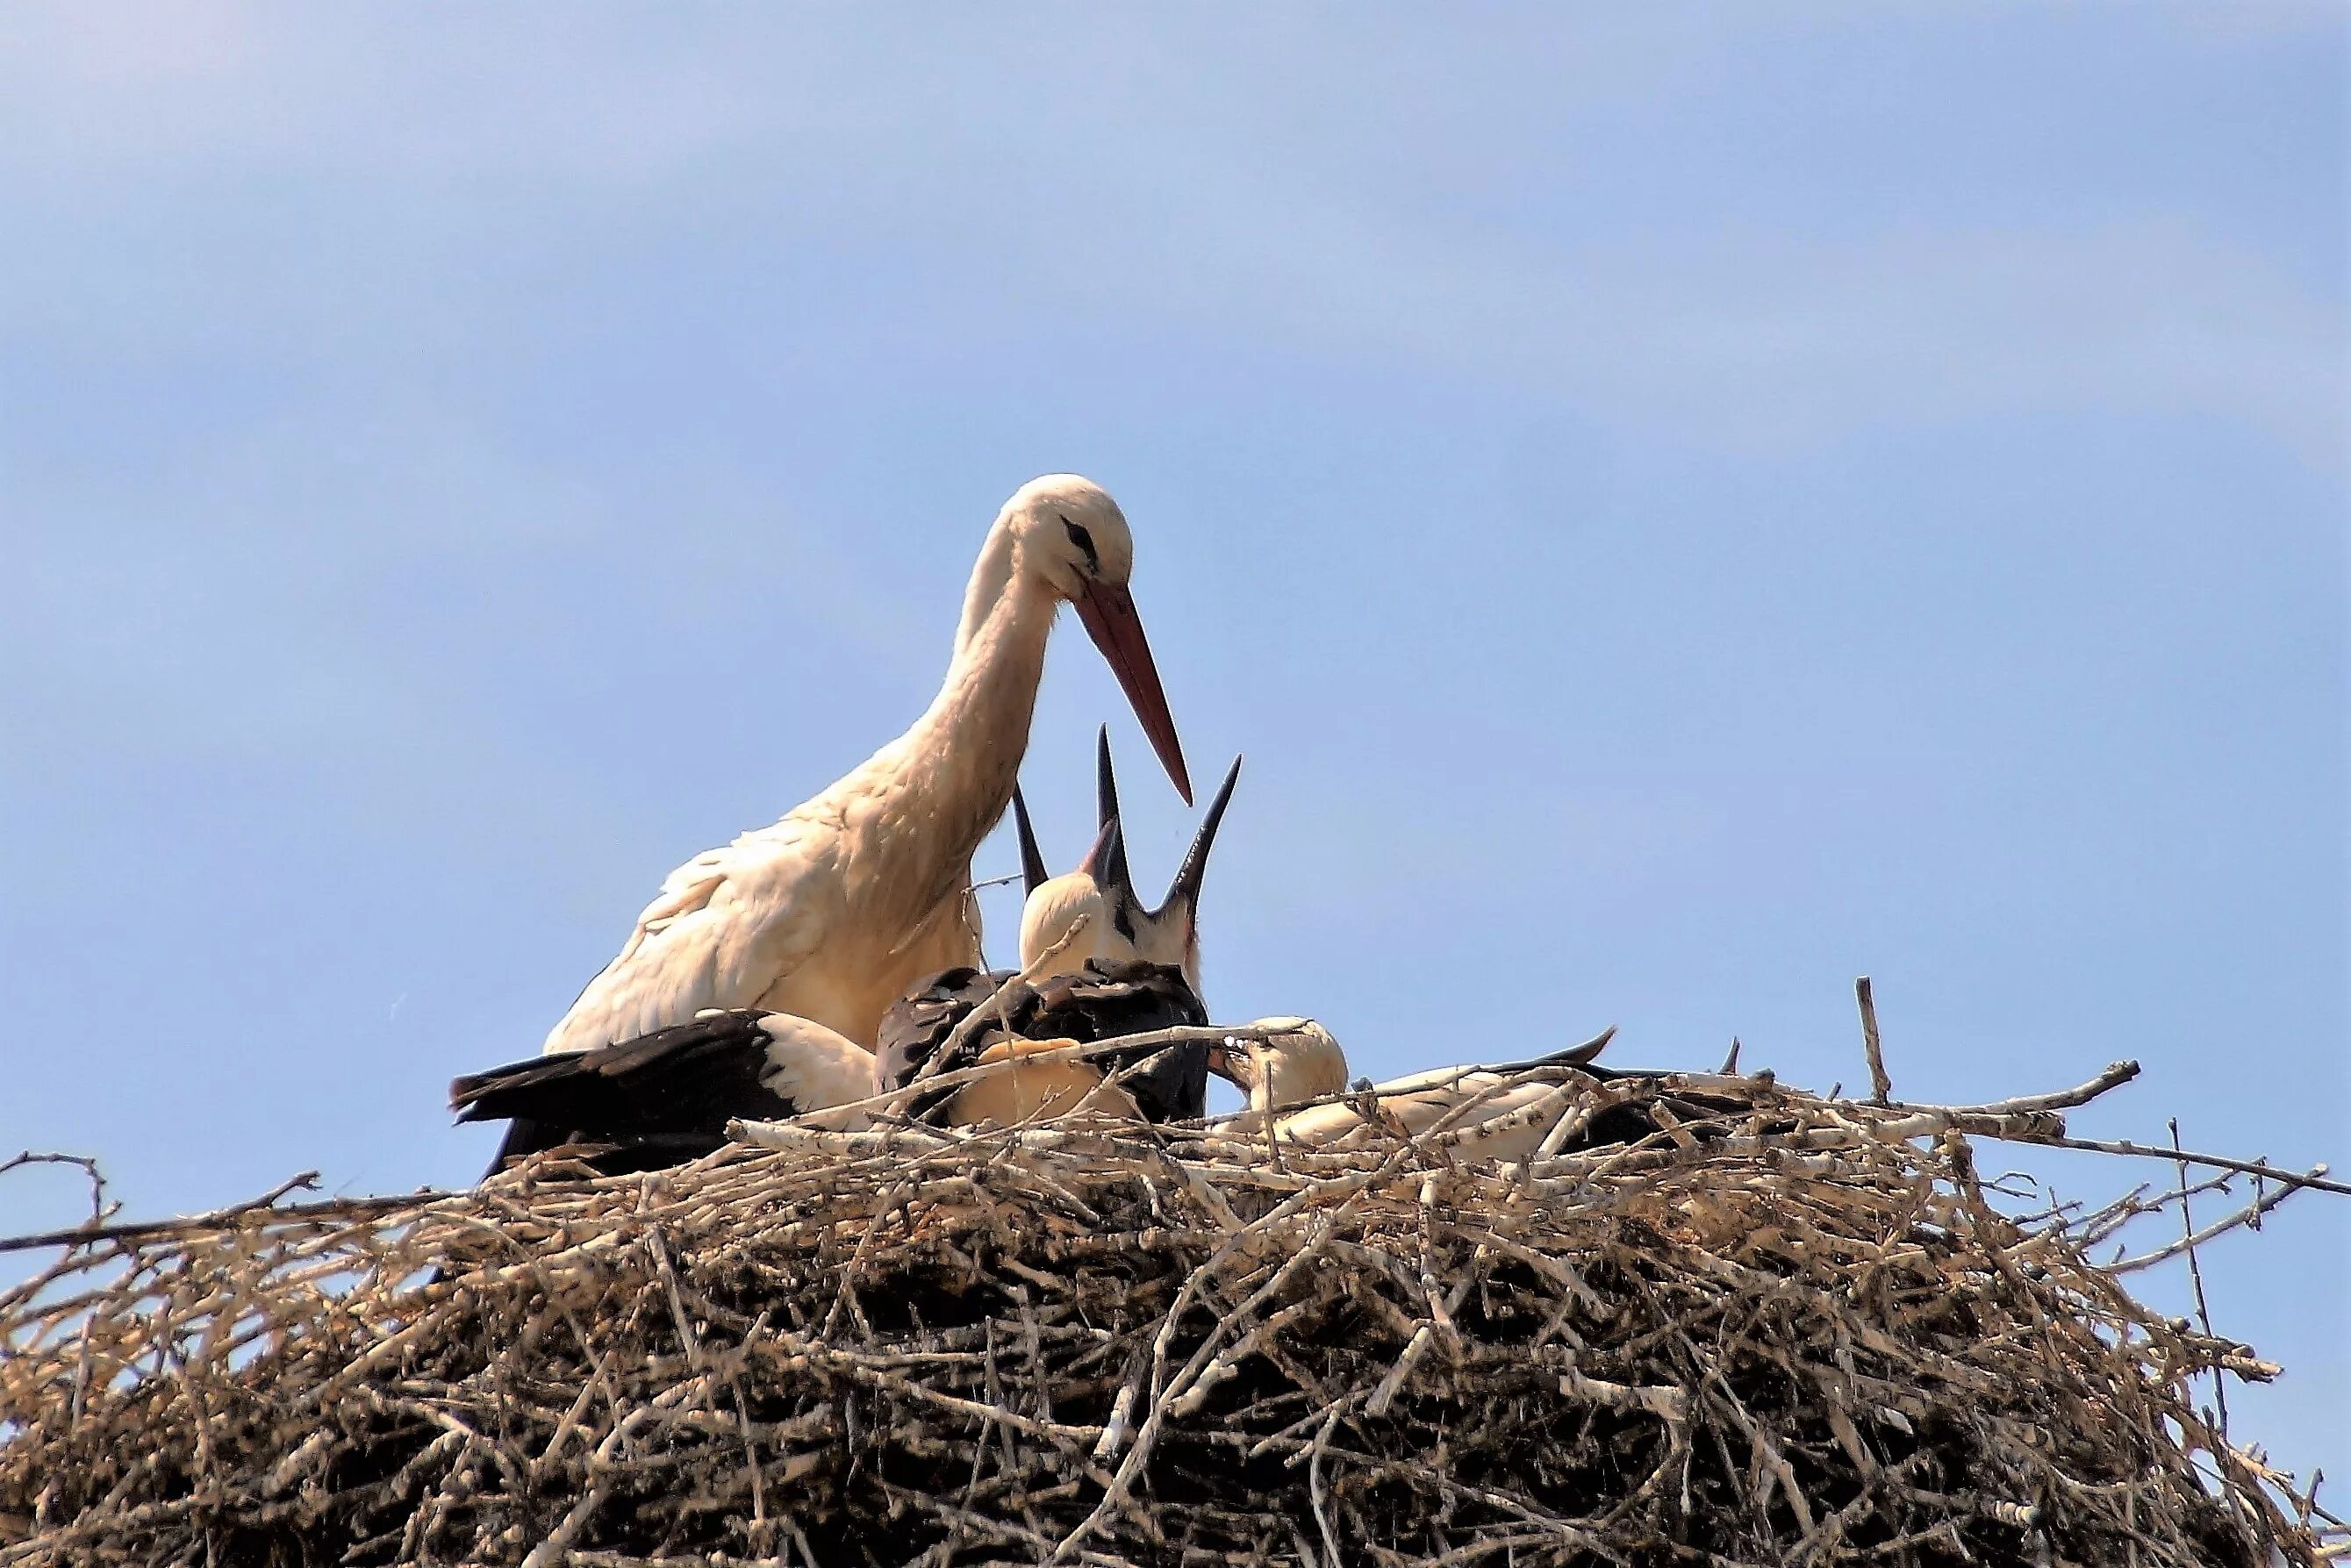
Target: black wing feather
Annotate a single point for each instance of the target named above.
(656, 1099)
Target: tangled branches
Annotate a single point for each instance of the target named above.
(1766, 1327)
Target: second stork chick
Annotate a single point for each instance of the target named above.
(1497, 1112)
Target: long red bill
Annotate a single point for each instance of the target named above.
(1109, 615)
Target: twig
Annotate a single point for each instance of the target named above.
(2218, 1162)
(307, 1182)
(1881, 1087)
(89, 1164)
(992, 1010)
(2196, 1279)
(2247, 1216)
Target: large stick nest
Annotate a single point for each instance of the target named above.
(1771, 1329)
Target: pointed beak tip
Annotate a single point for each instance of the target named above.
(1110, 619)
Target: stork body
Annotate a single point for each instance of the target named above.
(1102, 1003)
(1038, 1091)
(834, 911)
(667, 1096)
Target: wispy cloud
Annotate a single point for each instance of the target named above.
(1054, 169)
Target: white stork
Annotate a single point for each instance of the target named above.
(834, 911)
(1093, 913)
(1499, 1112)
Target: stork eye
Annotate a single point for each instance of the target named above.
(1085, 543)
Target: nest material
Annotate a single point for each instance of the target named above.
(1796, 1332)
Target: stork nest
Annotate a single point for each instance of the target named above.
(1770, 1328)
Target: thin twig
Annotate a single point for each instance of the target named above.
(2262, 1168)
(307, 1182)
(2196, 1279)
(88, 1166)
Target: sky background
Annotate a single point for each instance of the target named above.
(1680, 507)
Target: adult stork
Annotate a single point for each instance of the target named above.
(834, 911)
(1093, 913)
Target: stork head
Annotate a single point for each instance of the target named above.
(1098, 903)
(1169, 934)
(1066, 920)
(1299, 1062)
(1071, 536)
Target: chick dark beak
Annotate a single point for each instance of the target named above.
(1032, 860)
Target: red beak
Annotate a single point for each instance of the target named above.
(1117, 631)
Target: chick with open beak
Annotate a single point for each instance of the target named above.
(1093, 913)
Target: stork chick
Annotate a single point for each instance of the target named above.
(1026, 1015)
(1501, 1112)
(834, 911)
(1093, 913)
(1036, 1091)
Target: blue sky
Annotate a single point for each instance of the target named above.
(1680, 507)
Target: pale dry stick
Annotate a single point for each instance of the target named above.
(1315, 1490)
(2247, 1216)
(556, 1548)
(889, 1202)
(1121, 1409)
(1974, 1118)
(212, 1219)
(2218, 1162)
(2026, 1119)
(685, 1330)
(1881, 1087)
(2196, 1279)
(1577, 1119)
(1423, 1336)
(1227, 1367)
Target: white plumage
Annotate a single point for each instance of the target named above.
(832, 913)
(817, 1070)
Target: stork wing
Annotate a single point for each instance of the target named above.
(729, 925)
(662, 1098)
